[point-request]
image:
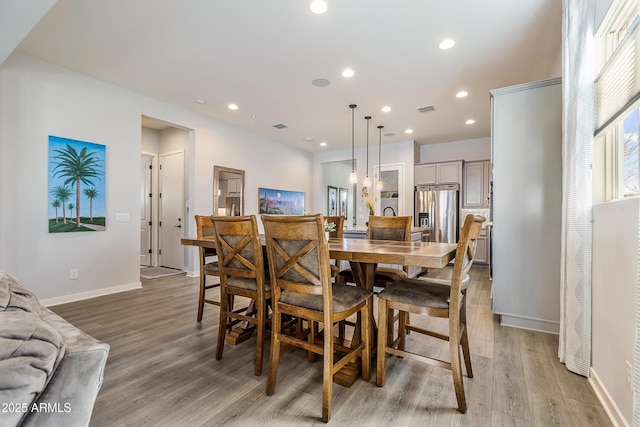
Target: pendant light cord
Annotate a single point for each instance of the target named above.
(379, 151)
(367, 118)
(353, 153)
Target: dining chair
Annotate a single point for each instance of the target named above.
(335, 234)
(384, 228)
(301, 280)
(242, 273)
(435, 298)
(204, 228)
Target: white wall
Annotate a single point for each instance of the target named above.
(336, 174)
(150, 141)
(614, 294)
(38, 99)
(468, 150)
(17, 19)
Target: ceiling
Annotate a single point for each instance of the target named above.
(263, 56)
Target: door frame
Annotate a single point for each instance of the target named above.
(154, 205)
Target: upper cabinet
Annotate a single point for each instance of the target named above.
(234, 187)
(475, 184)
(438, 173)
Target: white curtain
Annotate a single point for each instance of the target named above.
(577, 139)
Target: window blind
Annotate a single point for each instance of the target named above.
(617, 87)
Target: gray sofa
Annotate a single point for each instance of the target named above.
(50, 371)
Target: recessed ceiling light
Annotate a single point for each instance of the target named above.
(321, 82)
(323, 144)
(385, 109)
(200, 101)
(446, 44)
(232, 107)
(408, 131)
(318, 7)
(470, 122)
(348, 72)
(308, 139)
(462, 94)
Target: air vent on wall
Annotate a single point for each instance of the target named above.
(426, 108)
(280, 126)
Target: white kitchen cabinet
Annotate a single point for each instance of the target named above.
(438, 173)
(475, 184)
(426, 174)
(234, 186)
(482, 248)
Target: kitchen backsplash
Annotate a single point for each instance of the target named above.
(482, 212)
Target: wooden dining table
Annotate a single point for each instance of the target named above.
(364, 256)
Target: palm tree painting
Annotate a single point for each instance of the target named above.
(76, 182)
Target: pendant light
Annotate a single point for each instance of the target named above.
(379, 183)
(353, 178)
(367, 180)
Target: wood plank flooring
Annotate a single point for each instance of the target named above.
(162, 371)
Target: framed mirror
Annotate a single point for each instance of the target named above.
(228, 191)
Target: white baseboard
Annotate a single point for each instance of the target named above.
(192, 273)
(90, 294)
(531, 324)
(609, 405)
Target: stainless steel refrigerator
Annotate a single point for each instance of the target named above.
(436, 207)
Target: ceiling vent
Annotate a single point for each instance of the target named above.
(426, 108)
(280, 126)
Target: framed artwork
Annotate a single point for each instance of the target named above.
(343, 197)
(76, 186)
(280, 202)
(332, 200)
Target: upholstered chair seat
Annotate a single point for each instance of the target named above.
(383, 275)
(344, 297)
(248, 284)
(418, 292)
(212, 267)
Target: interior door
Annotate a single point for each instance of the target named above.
(145, 210)
(171, 221)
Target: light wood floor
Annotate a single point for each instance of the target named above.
(162, 371)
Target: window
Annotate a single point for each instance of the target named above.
(617, 98)
(630, 170)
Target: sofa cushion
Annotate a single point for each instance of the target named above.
(30, 351)
(14, 296)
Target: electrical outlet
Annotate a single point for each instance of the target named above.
(122, 217)
(628, 370)
(73, 273)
